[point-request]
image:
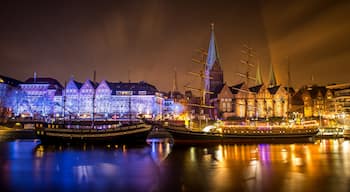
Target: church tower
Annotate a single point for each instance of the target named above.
(272, 77)
(258, 76)
(216, 80)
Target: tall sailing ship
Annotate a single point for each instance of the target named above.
(230, 131)
(93, 131)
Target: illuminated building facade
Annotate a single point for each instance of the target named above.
(338, 104)
(338, 97)
(314, 100)
(227, 100)
(174, 105)
(46, 97)
(8, 89)
(111, 100)
(38, 96)
(257, 101)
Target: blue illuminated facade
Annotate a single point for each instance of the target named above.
(110, 100)
(9, 93)
(46, 97)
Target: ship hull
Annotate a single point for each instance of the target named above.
(193, 137)
(137, 133)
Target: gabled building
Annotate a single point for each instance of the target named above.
(68, 101)
(314, 100)
(86, 98)
(103, 98)
(111, 99)
(133, 99)
(258, 101)
(46, 97)
(227, 100)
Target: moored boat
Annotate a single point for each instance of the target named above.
(242, 133)
(129, 132)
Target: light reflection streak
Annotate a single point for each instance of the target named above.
(39, 152)
(160, 151)
(219, 153)
(192, 154)
(252, 176)
(336, 145)
(284, 155)
(264, 152)
(346, 156)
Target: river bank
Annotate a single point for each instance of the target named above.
(7, 133)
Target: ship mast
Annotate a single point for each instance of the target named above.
(206, 59)
(289, 84)
(203, 75)
(203, 90)
(129, 99)
(93, 100)
(249, 53)
(64, 102)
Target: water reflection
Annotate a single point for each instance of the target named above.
(323, 165)
(160, 151)
(268, 167)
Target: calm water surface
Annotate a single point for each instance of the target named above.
(26, 165)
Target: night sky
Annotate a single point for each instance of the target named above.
(150, 39)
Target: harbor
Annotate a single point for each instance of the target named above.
(183, 96)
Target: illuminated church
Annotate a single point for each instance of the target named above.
(242, 100)
(259, 101)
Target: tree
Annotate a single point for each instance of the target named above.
(15, 100)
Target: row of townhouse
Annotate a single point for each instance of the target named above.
(110, 99)
(41, 97)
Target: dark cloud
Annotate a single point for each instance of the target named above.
(150, 38)
(314, 35)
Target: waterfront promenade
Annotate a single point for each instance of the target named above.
(7, 133)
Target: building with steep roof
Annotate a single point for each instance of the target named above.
(41, 97)
(110, 100)
(227, 100)
(67, 103)
(257, 101)
(314, 99)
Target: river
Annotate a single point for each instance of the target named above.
(323, 165)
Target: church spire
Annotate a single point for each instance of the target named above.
(272, 78)
(213, 55)
(258, 77)
(175, 87)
